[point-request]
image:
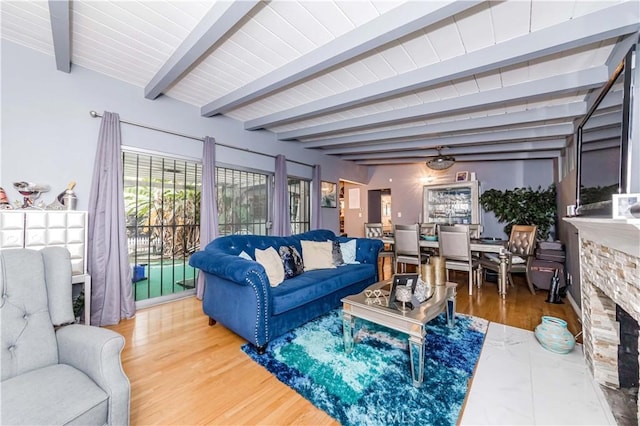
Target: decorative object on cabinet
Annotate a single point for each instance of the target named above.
(30, 191)
(36, 229)
(4, 201)
(440, 162)
(462, 176)
(66, 200)
(329, 194)
(523, 206)
(451, 203)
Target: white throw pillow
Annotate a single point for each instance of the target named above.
(317, 255)
(348, 250)
(270, 260)
(243, 254)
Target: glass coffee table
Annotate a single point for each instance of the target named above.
(371, 305)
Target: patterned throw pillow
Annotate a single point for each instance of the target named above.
(291, 260)
(336, 252)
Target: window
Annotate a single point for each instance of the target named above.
(162, 207)
(242, 202)
(299, 204)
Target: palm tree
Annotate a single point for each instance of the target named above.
(168, 217)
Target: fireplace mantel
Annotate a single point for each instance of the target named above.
(609, 280)
(620, 234)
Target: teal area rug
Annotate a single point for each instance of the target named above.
(372, 385)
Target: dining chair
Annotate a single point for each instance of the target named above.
(375, 231)
(454, 245)
(475, 230)
(428, 231)
(406, 247)
(521, 246)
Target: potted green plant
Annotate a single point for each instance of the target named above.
(523, 206)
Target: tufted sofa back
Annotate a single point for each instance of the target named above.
(234, 244)
(36, 295)
(522, 240)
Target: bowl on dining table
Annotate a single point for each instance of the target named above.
(430, 237)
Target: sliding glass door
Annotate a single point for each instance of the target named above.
(162, 207)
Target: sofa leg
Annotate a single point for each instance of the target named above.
(261, 349)
(212, 321)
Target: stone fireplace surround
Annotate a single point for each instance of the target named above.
(609, 276)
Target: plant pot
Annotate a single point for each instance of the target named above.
(553, 335)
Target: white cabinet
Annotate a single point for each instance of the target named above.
(36, 229)
(452, 203)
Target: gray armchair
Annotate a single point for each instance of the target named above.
(54, 372)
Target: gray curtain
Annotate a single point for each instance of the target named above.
(112, 293)
(208, 203)
(316, 194)
(281, 215)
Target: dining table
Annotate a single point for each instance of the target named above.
(482, 245)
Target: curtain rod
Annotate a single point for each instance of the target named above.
(94, 114)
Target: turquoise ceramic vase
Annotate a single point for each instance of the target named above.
(553, 335)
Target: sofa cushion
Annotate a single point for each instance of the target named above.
(270, 260)
(317, 255)
(54, 395)
(291, 261)
(313, 285)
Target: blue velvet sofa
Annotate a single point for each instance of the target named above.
(238, 294)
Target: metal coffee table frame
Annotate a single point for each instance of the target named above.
(412, 322)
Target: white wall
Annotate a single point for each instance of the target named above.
(48, 136)
(406, 183)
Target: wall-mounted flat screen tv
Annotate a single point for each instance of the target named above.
(603, 145)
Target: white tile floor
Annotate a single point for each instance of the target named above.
(517, 382)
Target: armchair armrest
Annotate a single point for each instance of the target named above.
(96, 352)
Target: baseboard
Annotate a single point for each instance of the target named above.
(575, 307)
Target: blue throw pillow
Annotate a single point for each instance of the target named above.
(291, 260)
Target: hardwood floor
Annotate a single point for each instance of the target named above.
(184, 372)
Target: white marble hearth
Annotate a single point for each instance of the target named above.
(517, 382)
(609, 278)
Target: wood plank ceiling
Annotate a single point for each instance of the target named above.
(374, 82)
